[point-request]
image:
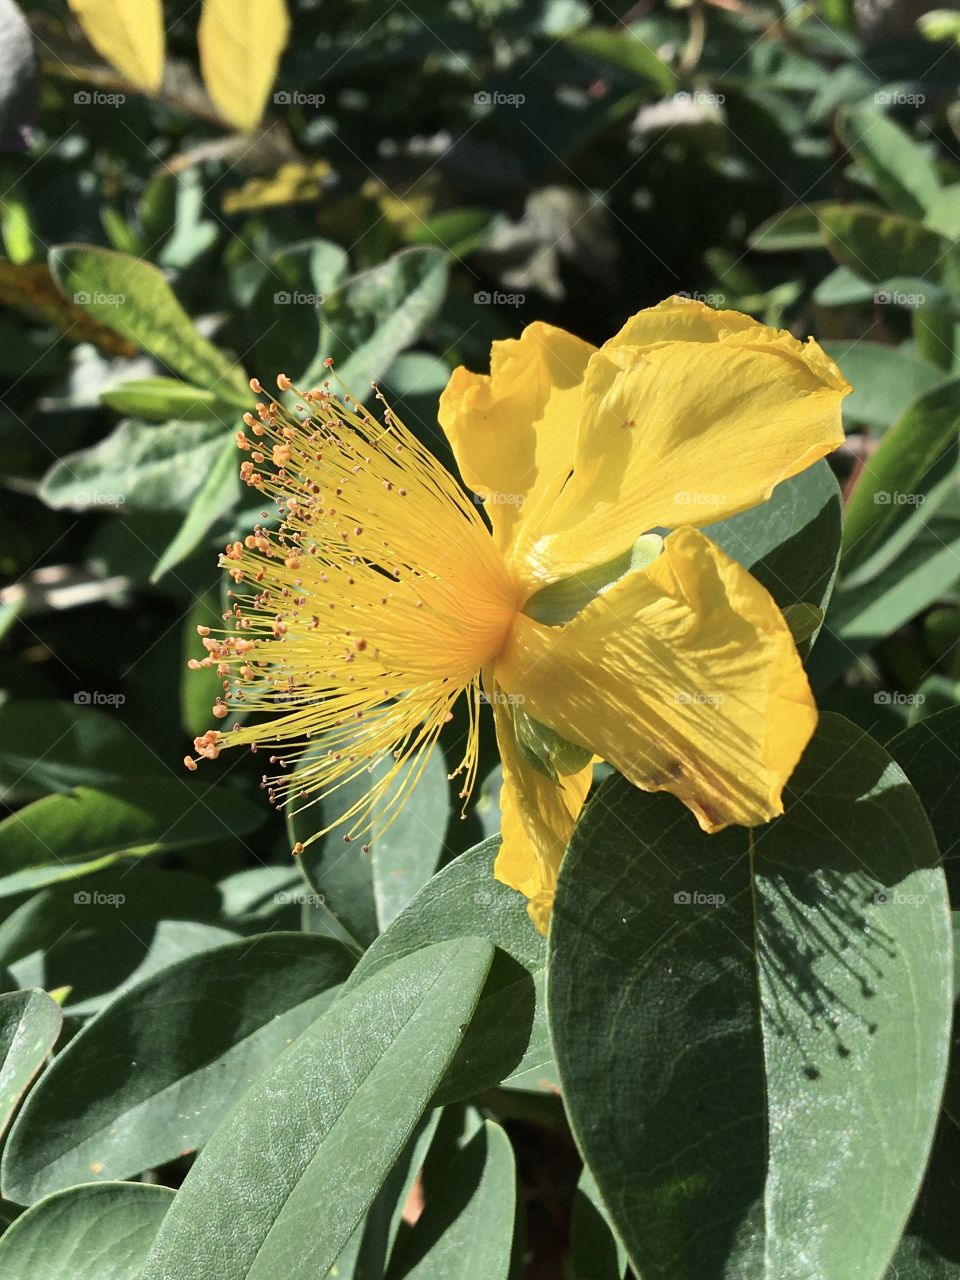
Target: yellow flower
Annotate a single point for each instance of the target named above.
(384, 597)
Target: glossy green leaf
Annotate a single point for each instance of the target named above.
(163, 399)
(902, 171)
(405, 857)
(790, 543)
(52, 746)
(153, 1074)
(29, 1026)
(218, 494)
(92, 1232)
(883, 246)
(795, 228)
(908, 476)
(286, 1178)
(370, 318)
(507, 1036)
(466, 1229)
(927, 752)
(137, 467)
(132, 298)
(751, 1028)
(885, 380)
(626, 50)
(595, 1251)
(65, 836)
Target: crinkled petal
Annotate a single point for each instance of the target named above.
(537, 820)
(687, 416)
(513, 431)
(684, 676)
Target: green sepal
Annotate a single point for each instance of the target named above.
(560, 601)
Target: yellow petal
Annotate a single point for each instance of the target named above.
(513, 431)
(684, 676)
(129, 34)
(688, 415)
(240, 45)
(537, 820)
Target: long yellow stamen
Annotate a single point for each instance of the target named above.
(371, 608)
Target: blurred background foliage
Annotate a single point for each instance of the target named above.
(425, 178)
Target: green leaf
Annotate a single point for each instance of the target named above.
(795, 228)
(927, 753)
(861, 616)
(365, 890)
(842, 288)
(136, 467)
(94, 1232)
(370, 318)
(152, 1075)
(903, 173)
(885, 380)
(595, 1251)
(217, 495)
(507, 1036)
(943, 214)
(791, 542)
(560, 601)
(883, 246)
(286, 1178)
(29, 1026)
(626, 50)
(752, 1027)
(908, 477)
(132, 298)
(52, 746)
(466, 1229)
(163, 399)
(65, 836)
(407, 854)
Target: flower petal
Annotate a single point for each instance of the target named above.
(513, 431)
(537, 820)
(684, 676)
(688, 415)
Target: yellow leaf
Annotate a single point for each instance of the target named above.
(240, 45)
(291, 184)
(129, 34)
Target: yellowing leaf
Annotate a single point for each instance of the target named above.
(129, 34)
(240, 45)
(292, 183)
